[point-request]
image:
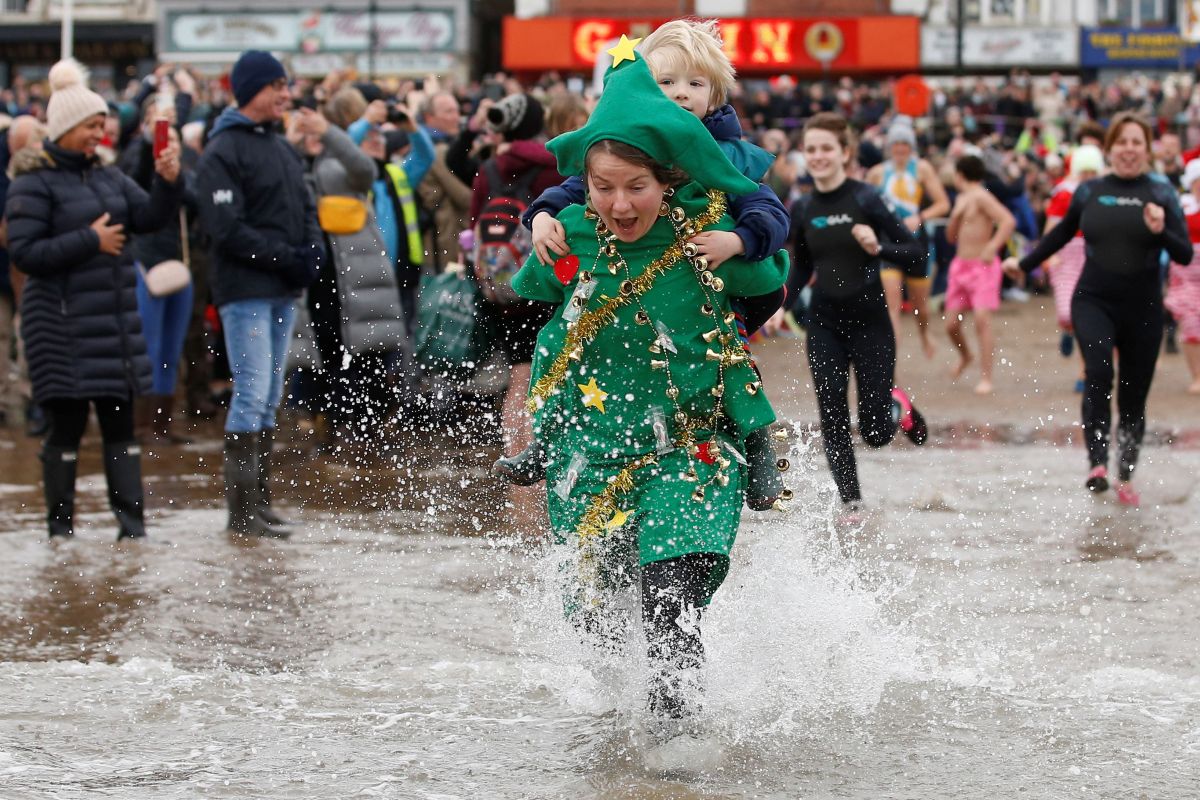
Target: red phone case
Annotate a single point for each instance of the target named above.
(162, 135)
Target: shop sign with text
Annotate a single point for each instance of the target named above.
(434, 30)
(1125, 48)
(1000, 47)
(752, 44)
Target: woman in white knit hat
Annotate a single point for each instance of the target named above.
(68, 218)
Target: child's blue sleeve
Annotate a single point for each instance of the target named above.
(420, 158)
(568, 193)
(761, 221)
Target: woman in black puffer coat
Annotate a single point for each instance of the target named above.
(67, 222)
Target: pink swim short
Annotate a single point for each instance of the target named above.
(973, 285)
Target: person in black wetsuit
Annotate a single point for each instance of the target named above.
(840, 232)
(1128, 219)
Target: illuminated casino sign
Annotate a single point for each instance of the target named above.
(752, 44)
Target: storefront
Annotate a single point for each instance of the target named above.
(385, 39)
(112, 51)
(986, 49)
(1113, 50)
(756, 46)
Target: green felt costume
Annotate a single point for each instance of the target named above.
(615, 357)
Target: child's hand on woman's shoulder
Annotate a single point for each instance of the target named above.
(718, 246)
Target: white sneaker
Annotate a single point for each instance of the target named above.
(1016, 294)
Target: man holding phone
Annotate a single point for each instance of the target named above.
(266, 250)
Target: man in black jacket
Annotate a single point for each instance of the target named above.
(266, 249)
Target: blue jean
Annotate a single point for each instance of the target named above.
(165, 323)
(257, 335)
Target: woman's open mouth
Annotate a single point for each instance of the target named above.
(625, 226)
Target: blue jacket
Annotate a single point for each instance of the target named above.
(759, 218)
(416, 166)
(257, 211)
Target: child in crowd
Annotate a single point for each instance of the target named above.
(689, 63)
(979, 226)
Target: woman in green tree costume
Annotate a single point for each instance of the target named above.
(642, 392)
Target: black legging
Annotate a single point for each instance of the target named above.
(67, 419)
(866, 340)
(672, 594)
(1135, 329)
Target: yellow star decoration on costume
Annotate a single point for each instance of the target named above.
(593, 395)
(624, 50)
(619, 518)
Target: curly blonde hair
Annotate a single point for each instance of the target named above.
(692, 46)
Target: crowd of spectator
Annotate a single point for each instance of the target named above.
(410, 155)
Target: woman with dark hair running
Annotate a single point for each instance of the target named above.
(840, 233)
(1127, 219)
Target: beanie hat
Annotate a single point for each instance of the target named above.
(71, 102)
(518, 116)
(659, 128)
(901, 131)
(1086, 158)
(254, 70)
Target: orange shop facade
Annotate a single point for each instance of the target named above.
(756, 46)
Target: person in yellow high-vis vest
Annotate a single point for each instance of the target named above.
(395, 203)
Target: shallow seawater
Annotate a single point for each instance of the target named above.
(992, 632)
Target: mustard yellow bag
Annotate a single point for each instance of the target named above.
(341, 215)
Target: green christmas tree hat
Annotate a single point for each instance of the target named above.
(634, 110)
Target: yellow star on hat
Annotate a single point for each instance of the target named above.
(623, 50)
(593, 395)
(619, 518)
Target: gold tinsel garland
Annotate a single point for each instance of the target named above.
(594, 522)
(590, 323)
(604, 505)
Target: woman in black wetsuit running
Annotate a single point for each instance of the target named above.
(1127, 219)
(840, 232)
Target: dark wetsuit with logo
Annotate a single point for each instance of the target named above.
(1118, 301)
(849, 322)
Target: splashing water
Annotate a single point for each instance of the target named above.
(797, 639)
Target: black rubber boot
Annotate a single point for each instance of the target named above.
(266, 447)
(764, 486)
(525, 468)
(123, 473)
(58, 475)
(241, 488)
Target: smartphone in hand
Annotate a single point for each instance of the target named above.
(162, 136)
